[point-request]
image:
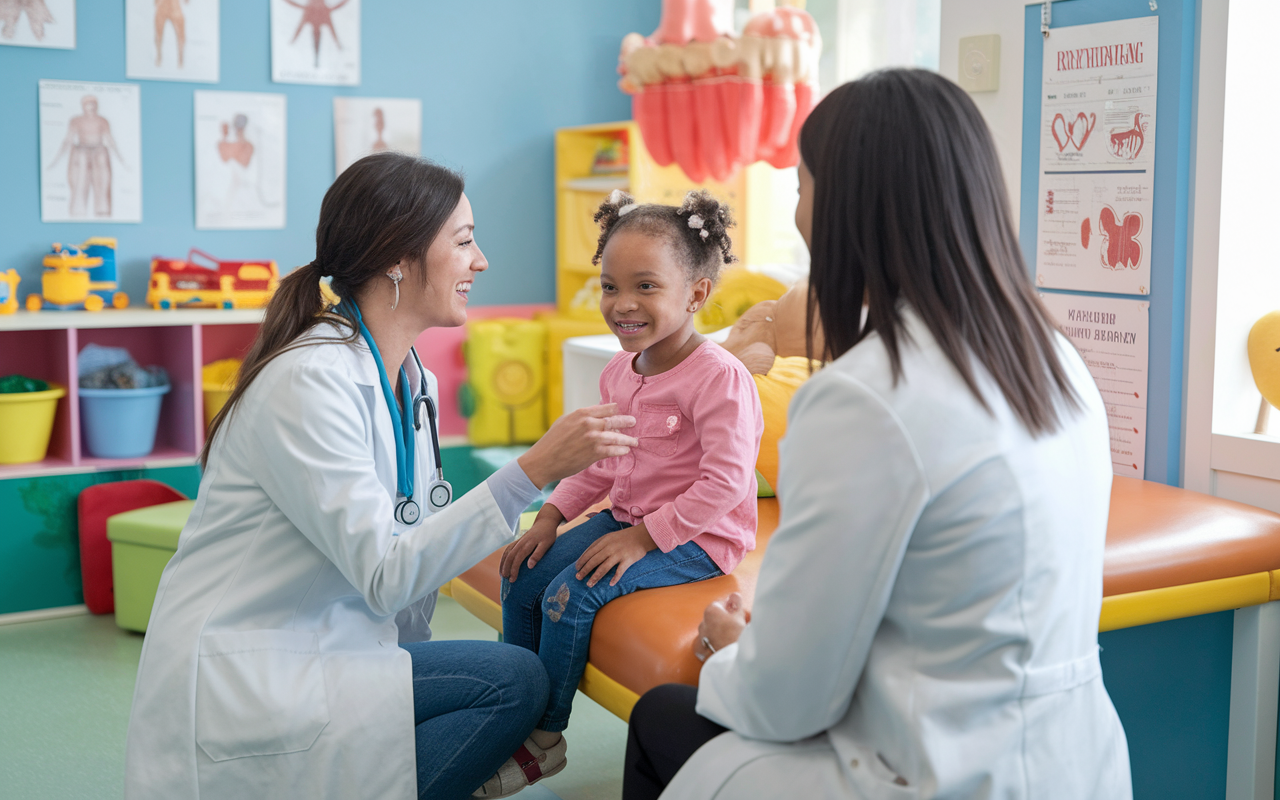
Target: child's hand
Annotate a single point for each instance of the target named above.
(722, 625)
(619, 549)
(530, 548)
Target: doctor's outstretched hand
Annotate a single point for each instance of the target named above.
(576, 441)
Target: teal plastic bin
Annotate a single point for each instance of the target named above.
(142, 542)
(120, 423)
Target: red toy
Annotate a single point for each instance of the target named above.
(95, 505)
(179, 283)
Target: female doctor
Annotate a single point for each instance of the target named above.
(286, 654)
(925, 622)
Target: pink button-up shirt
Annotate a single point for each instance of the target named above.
(692, 479)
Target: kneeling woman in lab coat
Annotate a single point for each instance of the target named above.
(926, 617)
(286, 654)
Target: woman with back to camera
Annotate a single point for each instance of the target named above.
(286, 654)
(925, 621)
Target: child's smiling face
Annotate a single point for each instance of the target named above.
(647, 297)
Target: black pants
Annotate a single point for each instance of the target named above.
(665, 731)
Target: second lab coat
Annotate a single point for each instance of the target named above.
(926, 618)
(272, 666)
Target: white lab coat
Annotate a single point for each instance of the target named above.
(271, 666)
(925, 622)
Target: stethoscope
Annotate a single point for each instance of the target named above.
(439, 492)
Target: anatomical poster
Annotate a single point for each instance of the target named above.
(364, 125)
(315, 41)
(1112, 337)
(1097, 157)
(38, 23)
(172, 40)
(240, 160)
(90, 152)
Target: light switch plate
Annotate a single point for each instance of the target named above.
(980, 63)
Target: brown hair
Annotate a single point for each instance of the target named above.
(909, 204)
(702, 247)
(384, 208)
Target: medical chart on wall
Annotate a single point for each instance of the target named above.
(90, 152)
(1097, 157)
(1112, 337)
(172, 40)
(38, 23)
(240, 160)
(364, 125)
(315, 41)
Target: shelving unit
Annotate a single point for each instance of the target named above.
(45, 345)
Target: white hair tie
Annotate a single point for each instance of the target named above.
(695, 222)
(627, 209)
(617, 197)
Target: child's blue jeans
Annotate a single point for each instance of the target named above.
(548, 610)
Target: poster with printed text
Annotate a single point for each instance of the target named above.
(315, 41)
(1112, 337)
(90, 152)
(240, 160)
(364, 125)
(38, 23)
(172, 40)
(1097, 157)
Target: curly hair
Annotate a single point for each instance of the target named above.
(697, 230)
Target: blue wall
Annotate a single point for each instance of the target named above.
(496, 78)
(1170, 209)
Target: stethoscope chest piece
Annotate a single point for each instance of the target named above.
(439, 495)
(407, 512)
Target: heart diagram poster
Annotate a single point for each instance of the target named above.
(1097, 157)
(1111, 335)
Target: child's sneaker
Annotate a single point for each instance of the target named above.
(529, 765)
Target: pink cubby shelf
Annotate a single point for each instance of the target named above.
(45, 345)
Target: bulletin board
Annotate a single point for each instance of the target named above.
(1169, 213)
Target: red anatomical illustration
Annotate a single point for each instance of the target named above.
(318, 14)
(1085, 231)
(1074, 133)
(1127, 144)
(1120, 247)
(711, 101)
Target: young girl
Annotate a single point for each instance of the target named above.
(684, 501)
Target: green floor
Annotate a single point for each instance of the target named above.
(66, 684)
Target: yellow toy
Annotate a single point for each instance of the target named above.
(182, 283)
(738, 290)
(9, 291)
(80, 276)
(1264, 360)
(504, 398)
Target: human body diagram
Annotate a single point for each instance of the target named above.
(236, 152)
(169, 12)
(37, 17)
(318, 14)
(86, 145)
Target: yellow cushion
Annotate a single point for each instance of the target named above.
(776, 389)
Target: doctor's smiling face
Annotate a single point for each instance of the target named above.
(452, 262)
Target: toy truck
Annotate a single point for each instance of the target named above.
(182, 283)
(80, 277)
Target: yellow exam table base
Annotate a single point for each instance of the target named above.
(1190, 600)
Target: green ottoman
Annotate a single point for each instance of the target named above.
(142, 542)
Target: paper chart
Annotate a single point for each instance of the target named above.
(1097, 157)
(1112, 336)
(90, 152)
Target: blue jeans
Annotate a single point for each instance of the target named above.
(548, 610)
(474, 703)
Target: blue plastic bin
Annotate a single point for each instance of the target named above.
(120, 423)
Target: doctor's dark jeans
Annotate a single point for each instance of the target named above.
(548, 610)
(474, 703)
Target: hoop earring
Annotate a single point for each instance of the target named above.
(396, 276)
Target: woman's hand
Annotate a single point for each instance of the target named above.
(576, 441)
(722, 625)
(529, 549)
(619, 549)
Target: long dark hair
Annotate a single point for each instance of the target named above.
(384, 208)
(909, 204)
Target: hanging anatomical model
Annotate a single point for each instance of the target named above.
(711, 101)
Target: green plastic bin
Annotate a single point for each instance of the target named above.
(142, 542)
